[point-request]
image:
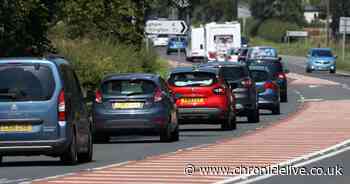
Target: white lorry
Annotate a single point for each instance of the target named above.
(220, 38)
(195, 47)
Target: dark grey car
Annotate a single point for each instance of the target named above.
(134, 104)
(42, 110)
(243, 87)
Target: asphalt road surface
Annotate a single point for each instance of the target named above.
(126, 148)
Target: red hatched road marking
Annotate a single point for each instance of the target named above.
(299, 135)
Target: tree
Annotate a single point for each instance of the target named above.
(285, 10)
(23, 27)
(339, 8)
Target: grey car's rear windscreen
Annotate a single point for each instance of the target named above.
(26, 82)
(128, 87)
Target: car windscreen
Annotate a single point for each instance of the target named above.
(26, 82)
(128, 87)
(192, 79)
(259, 75)
(263, 52)
(322, 53)
(234, 73)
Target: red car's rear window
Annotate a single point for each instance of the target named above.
(192, 79)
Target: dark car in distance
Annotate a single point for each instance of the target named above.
(134, 104)
(279, 74)
(243, 88)
(203, 96)
(267, 88)
(42, 110)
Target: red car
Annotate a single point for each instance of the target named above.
(202, 95)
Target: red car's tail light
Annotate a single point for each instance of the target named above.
(98, 96)
(158, 95)
(219, 91)
(270, 85)
(61, 107)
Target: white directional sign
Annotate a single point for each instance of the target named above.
(175, 27)
(344, 25)
(297, 34)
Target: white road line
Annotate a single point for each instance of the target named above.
(298, 162)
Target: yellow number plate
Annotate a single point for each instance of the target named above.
(16, 128)
(192, 100)
(134, 105)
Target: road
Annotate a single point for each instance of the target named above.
(128, 148)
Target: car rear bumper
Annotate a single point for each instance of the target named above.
(198, 114)
(131, 121)
(45, 147)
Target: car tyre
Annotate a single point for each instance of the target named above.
(254, 116)
(332, 71)
(276, 110)
(87, 157)
(176, 134)
(308, 70)
(1, 159)
(70, 156)
(284, 97)
(229, 123)
(168, 53)
(166, 134)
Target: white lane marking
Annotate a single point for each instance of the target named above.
(5, 180)
(302, 98)
(312, 100)
(313, 86)
(297, 162)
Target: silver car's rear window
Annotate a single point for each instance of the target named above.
(26, 82)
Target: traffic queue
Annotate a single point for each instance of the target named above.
(43, 110)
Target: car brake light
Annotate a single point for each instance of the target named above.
(158, 95)
(98, 96)
(219, 91)
(61, 107)
(270, 85)
(247, 83)
(281, 76)
(212, 55)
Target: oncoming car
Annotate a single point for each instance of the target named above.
(134, 104)
(202, 95)
(321, 59)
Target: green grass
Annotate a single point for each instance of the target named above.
(301, 49)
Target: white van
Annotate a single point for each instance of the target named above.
(219, 38)
(196, 44)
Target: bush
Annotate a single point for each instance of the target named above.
(252, 26)
(93, 59)
(275, 30)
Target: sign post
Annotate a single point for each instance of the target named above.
(344, 28)
(170, 27)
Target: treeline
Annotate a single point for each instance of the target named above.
(24, 24)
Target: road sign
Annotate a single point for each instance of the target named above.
(344, 25)
(297, 34)
(175, 27)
